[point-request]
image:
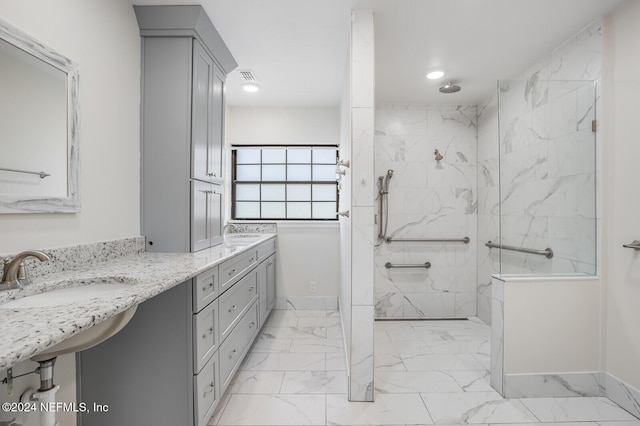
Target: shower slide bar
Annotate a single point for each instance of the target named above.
(428, 240)
(548, 253)
(41, 174)
(425, 265)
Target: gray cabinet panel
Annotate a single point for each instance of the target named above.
(202, 127)
(145, 372)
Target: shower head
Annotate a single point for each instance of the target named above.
(449, 88)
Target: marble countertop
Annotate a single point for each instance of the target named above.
(28, 331)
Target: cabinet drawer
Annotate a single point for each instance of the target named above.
(234, 268)
(205, 335)
(205, 289)
(234, 302)
(234, 348)
(266, 249)
(207, 391)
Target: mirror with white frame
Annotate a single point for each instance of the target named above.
(38, 127)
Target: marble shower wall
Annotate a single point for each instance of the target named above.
(543, 155)
(429, 199)
(548, 159)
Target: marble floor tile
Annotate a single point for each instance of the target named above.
(397, 382)
(294, 332)
(317, 345)
(386, 410)
(262, 361)
(336, 361)
(388, 362)
(475, 407)
(441, 362)
(274, 410)
(484, 360)
(264, 343)
(576, 409)
(311, 382)
(335, 332)
(331, 321)
(466, 346)
(473, 380)
(256, 382)
(406, 348)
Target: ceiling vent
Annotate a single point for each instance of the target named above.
(248, 76)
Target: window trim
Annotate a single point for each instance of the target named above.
(311, 182)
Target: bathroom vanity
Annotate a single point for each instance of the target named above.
(173, 361)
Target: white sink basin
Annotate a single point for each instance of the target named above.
(241, 239)
(66, 296)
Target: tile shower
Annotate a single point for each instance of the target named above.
(428, 198)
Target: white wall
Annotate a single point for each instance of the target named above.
(621, 127)
(282, 126)
(551, 325)
(306, 251)
(102, 37)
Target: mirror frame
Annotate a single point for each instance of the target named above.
(15, 203)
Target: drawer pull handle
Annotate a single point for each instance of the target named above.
(233, 353)
(251, 260)
(207, 287)
(208, 390)
(251, 289)
(233, 271)
(270, 263)
(251, 325)
(204, 336)
(233, 308)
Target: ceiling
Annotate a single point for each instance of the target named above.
(298, 48)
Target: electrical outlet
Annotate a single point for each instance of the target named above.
(313, 287)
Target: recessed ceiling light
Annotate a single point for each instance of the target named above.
(434, 75)
(250, 87)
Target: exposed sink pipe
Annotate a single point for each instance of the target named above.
(46, 395)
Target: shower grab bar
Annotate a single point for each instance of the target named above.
(635, 244)
(425, 265)
(428, 240)
(548, 253)
(41, 174)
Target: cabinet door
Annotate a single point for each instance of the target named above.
(217, 126)
(202, 109)
(206, 221)
(263, 305)
(271, 281)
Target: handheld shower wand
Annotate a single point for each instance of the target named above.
(383, 192)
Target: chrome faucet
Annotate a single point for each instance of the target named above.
(229, 225)
(15, 274)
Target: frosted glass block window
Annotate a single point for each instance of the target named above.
(298, 155)
(298, 192)
(273, 192)
(277, 156)
(299, 172)
(284, 182)
(324, 173)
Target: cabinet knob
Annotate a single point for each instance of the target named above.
(233, 308)
(251, 289)
(232, 353)
(251, 260)
(233, 271)
(251, 325)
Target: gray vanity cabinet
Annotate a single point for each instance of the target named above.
(184, 66)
